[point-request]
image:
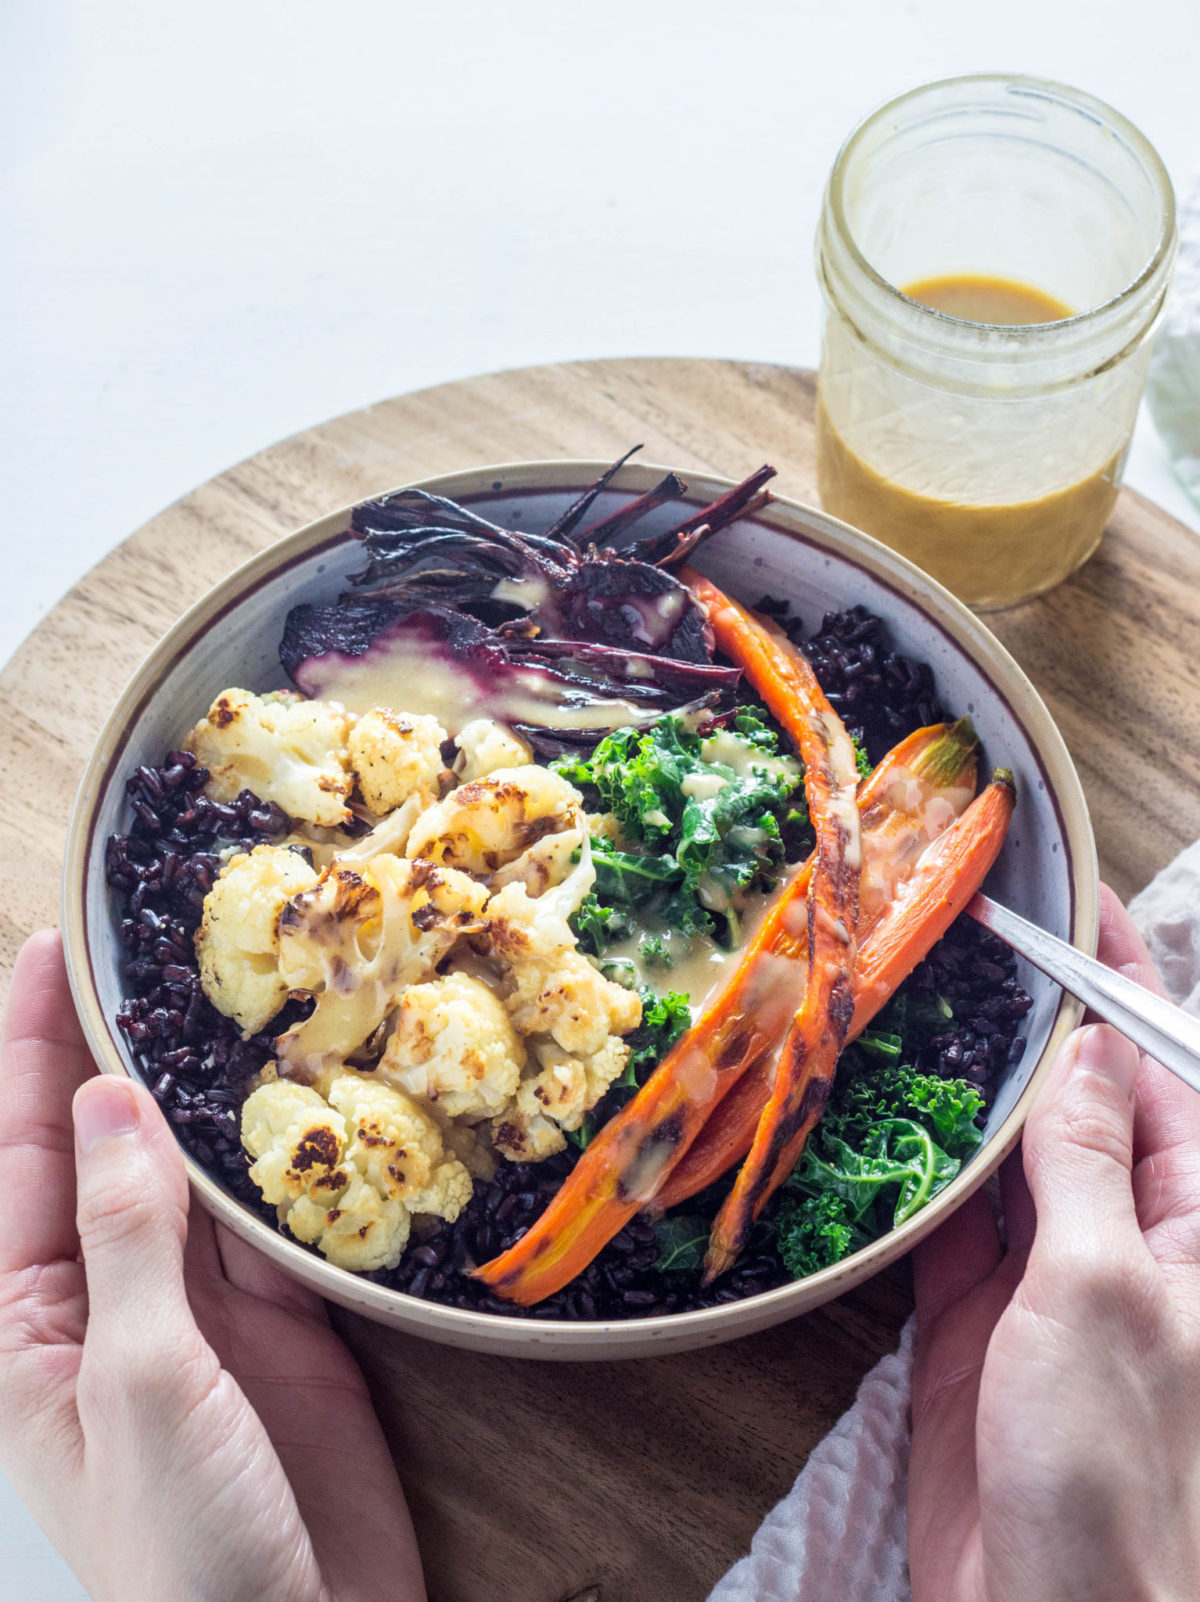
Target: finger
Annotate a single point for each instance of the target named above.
(132, 1219)
(43, 1061)
(1166, 1137)
(1078, 1147)
(1168, 1112)
(1020, 1215)
(246, 1268)
(959, 1254)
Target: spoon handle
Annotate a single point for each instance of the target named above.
(1162, 1030)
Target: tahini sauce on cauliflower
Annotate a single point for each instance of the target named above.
(436, 946)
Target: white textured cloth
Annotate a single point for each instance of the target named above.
(1167, 912)
(1173, 386)
(841, 1532)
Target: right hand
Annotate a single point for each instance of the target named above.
(1056, 1394)
(181, 1421)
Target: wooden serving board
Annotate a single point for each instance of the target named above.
(642, 1481)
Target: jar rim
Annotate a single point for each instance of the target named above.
(1074, 99)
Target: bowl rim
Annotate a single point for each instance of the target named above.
(797, 521)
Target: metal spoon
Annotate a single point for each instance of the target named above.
(1162, 1030)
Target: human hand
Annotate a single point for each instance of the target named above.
(180, 1419)
(1056, 1390)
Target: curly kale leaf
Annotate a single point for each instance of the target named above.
(896, 1171)
(945, 1108)
(623, 876)
(597, 926)
(891, 1139)
(815, 1232)
(709, 829)
(665, 1019)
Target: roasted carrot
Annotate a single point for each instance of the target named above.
(917, 791)
(945, 879)
(783, 676)
(626, 1162)
(740, 1026)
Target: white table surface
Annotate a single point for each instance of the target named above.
(224, 223)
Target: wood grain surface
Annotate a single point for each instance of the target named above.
(632, 1482)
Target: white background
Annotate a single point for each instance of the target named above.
(224, 222)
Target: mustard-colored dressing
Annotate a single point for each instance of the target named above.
(989, 555)
(979, 299)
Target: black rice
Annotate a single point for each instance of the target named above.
(198, 1067)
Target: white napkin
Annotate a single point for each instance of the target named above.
(841, 1532)
(1173, 386)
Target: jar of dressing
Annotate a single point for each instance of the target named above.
(994, 253)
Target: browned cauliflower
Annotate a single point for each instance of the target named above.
(357, 940)
(237, 943)
(346, 1171)
(396, 755)
(284, 748)
(555, 1098)
(556, 990)
(455, 1045)
(483, 826)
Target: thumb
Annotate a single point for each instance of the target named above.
(131, 1217)
(1078, 1146)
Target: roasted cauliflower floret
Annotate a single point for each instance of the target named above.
(284, 748)
(348, 1169)
(484, 746)
(237, 943)
(455, 1045)
(556, 991)
(302, 1166)
(396, 755)
(357, 940)
(557, 1098)
(398, 1148)
(484, 825)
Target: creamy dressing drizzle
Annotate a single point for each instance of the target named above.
(699, 965)
(411, 676)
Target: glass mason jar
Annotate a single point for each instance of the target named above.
(989, 451)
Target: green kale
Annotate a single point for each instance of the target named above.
(945, 1108)
(597, 926)
(815, 1232)
(890, 1140)
(655, 952)
(623, 876)
(708, 830)
(682, 1242)
(664, 1020)
(895, 1172)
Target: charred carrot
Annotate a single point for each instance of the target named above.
(946, 877)
(783, 676)
(627, 1161)
(740, 1026)
(624, 1164)
(917, 791)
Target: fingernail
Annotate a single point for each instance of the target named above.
(103, 1108)
(1105, 1051)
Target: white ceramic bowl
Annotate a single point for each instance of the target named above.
(1047, 870)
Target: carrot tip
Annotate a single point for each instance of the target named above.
(718, 1260)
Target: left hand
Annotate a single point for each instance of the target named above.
(181, 1420)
